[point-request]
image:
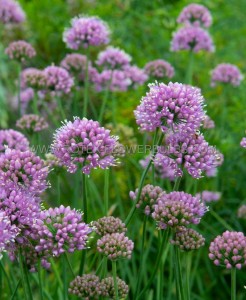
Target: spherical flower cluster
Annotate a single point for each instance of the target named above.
(241, 213)
(115, 246)
(226, 73)
(208, 196)
(243, 142)
(52, 162)
(12, 139)
(229, 250)
(61, 229)
(87, 287)
(136, 75)
(193, 39)
(113, 58)
(159, 69)
(33, 78)
(75, 63)
(177, 209)
(20, 50)
(86, 31)
(23, 170)
(174, 106)
(84, 144)
(208, 123)
(148, 197)
(188, 239)
(196, 15)
(32, 123)
(108, 290)
(11, 12)
(190, 151)
(109, 225)
(8, 231)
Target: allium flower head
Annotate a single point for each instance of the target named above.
(243, 142)
(229, 250)
(113, 58)
(74, 63)
(33, 78)
(174, 106)
(84, 144)
(136, 75)
(159, 69)
(20, 50)
(241, 213)
(148, 197)
(178, 209)
(226, 73)
(12, 139)
(22, 170)
(196, 15)
(11, 12)
(208, 123)
(87, 287)
(108, 290)
(193, 39)
(86, 31)
(58, 80)
(109, 225)
(188, 239)
(208, 196)
(26, 96)
(61, 229)
(188, 150)
(32, 123)
(115, 246)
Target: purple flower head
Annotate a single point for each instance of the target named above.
(23, 170)
(109, 225)
(86, 31)
(26, 96)
(243, 142)
(107, 288)
(113, 58)
(208, 123)
(20, 51)
(32, 123)
(11, 12)
(174, 106)
(84, 144)
(193, 39)
(190, 151)
(241, 213)
(115, 246)
(148, 198)
(219, 159)
(178, 209)
(61, 229)
(229, 250)
(188, 239)
(226, 73)
(33, 78)
(8, 231)
(159, 69)
(196, 15)
(12, 139)
(86, 287)
(136, 75)
(208, 196)
(75, 63)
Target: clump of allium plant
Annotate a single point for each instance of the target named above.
(174, 106)
(86, 31)
(108, 225)
(12, 139)
(11, 12)
(195, 15)
(177, 209)
(108, 290)
(32, 123)
(87, 287)
(75, 63)
(33, 78)
(83, 144)
(193, 39)
(136, 76)
(159, 69)
(241, 213)
(188, 239)
(208, 196)
(148, 197)
(115, 246)
(229, 250)
(226, 73)
(20, 51)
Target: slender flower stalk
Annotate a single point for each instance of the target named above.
(19, 89)
(178, 275)
(105, 98)
(114, 268)
(233, 283)
(189, 74)
(40, 281)
(106, 191)
(86, 85)
(25, 279)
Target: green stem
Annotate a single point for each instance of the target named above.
(105, 98)
(86, 85)
(35, 104)
(106, 191)
(177, 183)
(19, 90)
(115, 279)
(178, 275)
(233, 284)
(114, 108)
(69, 264)
(58, 180)
(190, 68)
(15, 290)
(5, 274)
(40, 280)
(219, 219)
(64, 277)
(160, 275)
(50, 115)
(84, 194)
(61, 110)
(187, 268)
(25, 279)
(82, 262)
